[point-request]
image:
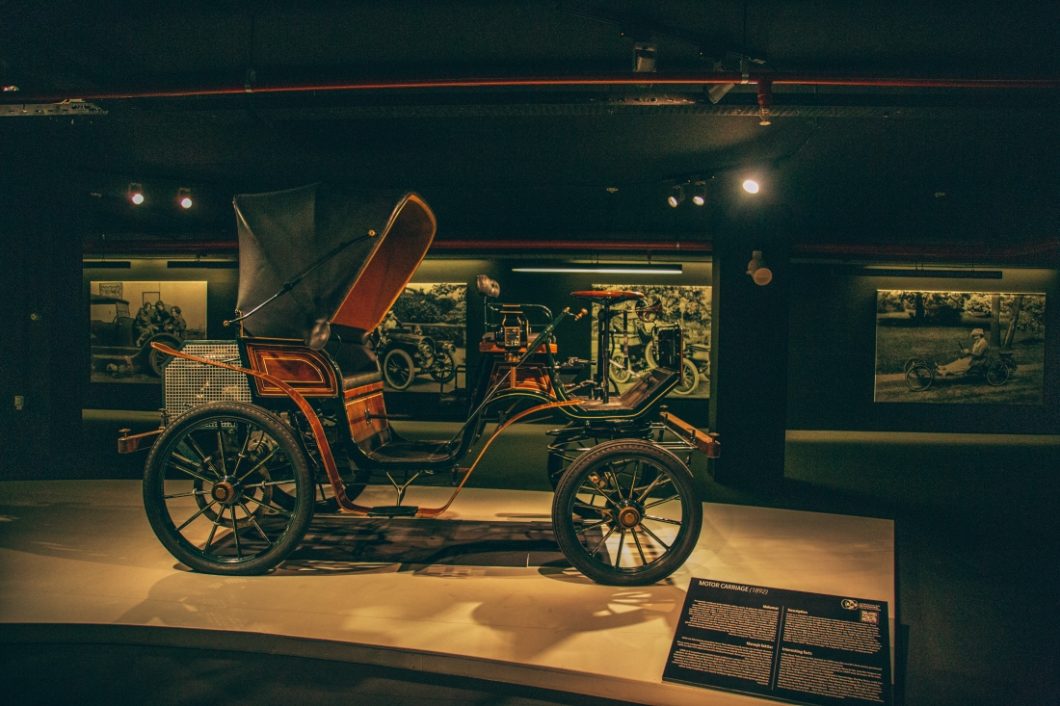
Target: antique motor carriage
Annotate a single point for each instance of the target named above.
(288, 419)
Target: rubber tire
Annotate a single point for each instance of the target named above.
(997, 374)
(689, 371)
(400, 357)
(563, 506)
(443, 369)
(162, 524)
(916, 374)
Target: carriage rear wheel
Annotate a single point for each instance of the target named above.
(212, 489)
(626, 513)
(398, 369)
(918, 376)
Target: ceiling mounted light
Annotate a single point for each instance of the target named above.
(135, 194)
(644, 54)
(184, 198)
(677, 195)
(751, 186)
(606, 269)
(699, 192)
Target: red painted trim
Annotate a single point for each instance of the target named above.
(777, 79)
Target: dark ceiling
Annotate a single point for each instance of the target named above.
(848, 162)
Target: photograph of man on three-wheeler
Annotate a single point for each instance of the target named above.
(288, 418)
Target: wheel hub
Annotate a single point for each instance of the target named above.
(629, 517)
(225, 493)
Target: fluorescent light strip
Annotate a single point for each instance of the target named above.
(605, 270)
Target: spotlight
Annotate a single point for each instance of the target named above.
(135, 193)
(644, 54)
(699, 192)
(758, 269)
(751, 186)
(184, 198)
(677, 195)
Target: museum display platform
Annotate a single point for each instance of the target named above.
(483, 593)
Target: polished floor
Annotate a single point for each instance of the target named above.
(482, 594)
(974, 531)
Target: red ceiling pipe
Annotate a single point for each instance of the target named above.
(557, 82)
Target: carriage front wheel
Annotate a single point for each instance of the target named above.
(626, 513)
(228, 489)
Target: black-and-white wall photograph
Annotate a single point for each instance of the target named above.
(635, 330)
(959, 347)
(422, 342)
(125, 317)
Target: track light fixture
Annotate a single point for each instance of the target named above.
(699, 192)
(184, 198)
(135, 194)
(677, 196)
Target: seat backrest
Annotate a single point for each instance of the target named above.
(355, 358)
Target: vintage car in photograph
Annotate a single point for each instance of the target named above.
(117, 347)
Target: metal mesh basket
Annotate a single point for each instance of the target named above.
(188, 385)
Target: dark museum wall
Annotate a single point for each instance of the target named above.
(42, 366)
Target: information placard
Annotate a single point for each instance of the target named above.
(808, 648)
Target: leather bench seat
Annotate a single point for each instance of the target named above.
(355, 380)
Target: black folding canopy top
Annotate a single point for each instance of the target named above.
(343, 256)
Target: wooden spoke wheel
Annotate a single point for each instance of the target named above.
(213, 486)
(626, 513)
